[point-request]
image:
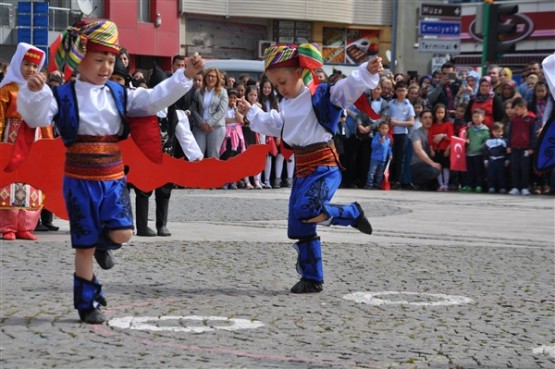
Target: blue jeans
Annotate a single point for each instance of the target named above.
(376, 171)
(520, 168)
(400, 143)
(496, 174)
(475, 171)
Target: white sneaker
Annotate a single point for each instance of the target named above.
(525, 192)
(514, 191)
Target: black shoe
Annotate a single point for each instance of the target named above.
(104, 258)
(95, 316)
(362, 223)
(304, 286)
(41, 228)
(51, 227)
(147, 232)
(163, 232)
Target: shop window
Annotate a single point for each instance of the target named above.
(349, 45)
(143, 11)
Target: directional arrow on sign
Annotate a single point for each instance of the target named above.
(433, 28)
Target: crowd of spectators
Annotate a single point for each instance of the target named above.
(477, 109)
(461, 104)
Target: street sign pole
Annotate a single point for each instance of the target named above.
(485, 35)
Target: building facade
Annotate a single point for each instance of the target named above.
(149, 29)
(348, 32)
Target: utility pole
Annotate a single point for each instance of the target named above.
(485, 34)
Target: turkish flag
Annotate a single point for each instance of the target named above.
(386, 185)
(52, 58)
(364, 106)
(458, 154)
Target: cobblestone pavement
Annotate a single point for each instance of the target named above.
(449, 281)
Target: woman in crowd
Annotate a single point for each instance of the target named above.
(487, 101)
(469, 88)
(209, 117)
(508, 91)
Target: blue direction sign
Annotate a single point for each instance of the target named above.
(433, 28)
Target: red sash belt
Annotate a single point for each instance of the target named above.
(94, 158)
(308, 158)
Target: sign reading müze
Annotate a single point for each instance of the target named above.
(440, 10)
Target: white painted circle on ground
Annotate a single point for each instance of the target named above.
(209, 323)
(376, 299)
(545, 350)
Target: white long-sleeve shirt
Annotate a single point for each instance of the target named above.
(297, 117)
(185, 137)
(98, 114)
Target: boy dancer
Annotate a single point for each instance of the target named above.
(90, 117)
(306, 122)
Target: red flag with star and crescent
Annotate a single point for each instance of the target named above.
(458, 154)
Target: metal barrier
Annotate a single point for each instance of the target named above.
(60, 18)
(7, 15)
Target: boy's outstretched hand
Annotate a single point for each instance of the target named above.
(193, 65)
(243, 105)
(36, 82)
(375, 65)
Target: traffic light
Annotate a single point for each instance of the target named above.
(500, 30)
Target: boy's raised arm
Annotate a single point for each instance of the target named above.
(34, 102)
(346, 91)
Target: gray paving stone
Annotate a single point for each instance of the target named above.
(229, 257)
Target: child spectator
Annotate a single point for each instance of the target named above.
(21, 204)
(401, 115)
(268, 101)
(418, 107)
(496, 159)
(440, 142)
(90, 122)
(459, 123)
(252, 138)
(234, 142)
(522, 139)
(476, 137)
(381, 153)
(460, 126)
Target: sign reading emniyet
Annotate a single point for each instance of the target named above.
(440, 10)
(430, 28)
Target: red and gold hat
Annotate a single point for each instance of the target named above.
(34, 56)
